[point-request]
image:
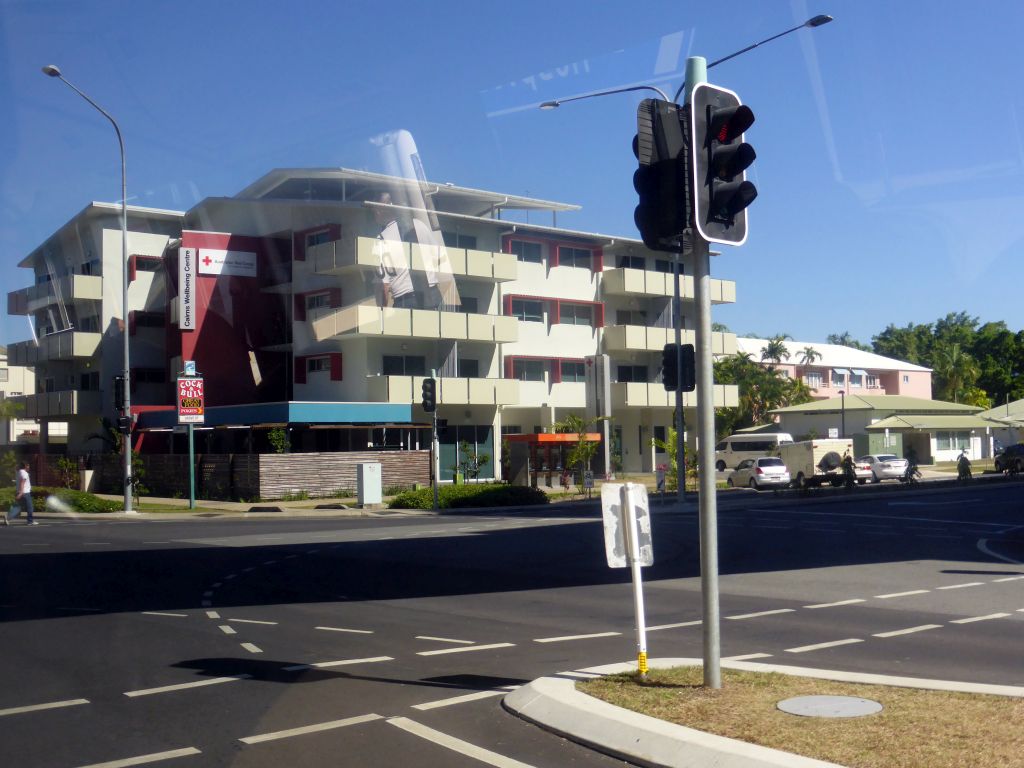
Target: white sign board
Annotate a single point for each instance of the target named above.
(187, 289)
(230, 263)
(833, 433)
(617, 523)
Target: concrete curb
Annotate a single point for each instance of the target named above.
(554, 704)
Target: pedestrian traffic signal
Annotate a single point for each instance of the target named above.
(678, 368)
(720, 160)
(119, 393)
(429, 395)
(661, 179)
(124, 424)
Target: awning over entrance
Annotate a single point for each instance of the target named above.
(255, 414)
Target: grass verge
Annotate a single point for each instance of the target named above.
(915, 729)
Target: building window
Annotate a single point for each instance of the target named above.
(91, 267)
(316, 238)
(856, 380)
(906, 379)
(665, 267)
(573, 371)
(4, 374)
(470, 305)
(813, 379)
(90, 381)
(149, 319)
(404, 365)
(317, 364)
(872, 382)
(318, 300)
(630, 317)
(511, 430)
(90, 324)
(660, 434)
(458, 240)
(632, 262)
(528, 370)
(575, 257)
(527, 252)
(576, 314)
(469, 369)
(530, 311)
(952, 441)
(632, 373)
(839, 377)
(147, 263)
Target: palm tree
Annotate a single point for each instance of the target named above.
(956, 369)
(808, 355)
(775, 350)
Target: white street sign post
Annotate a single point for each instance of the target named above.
(627, 540)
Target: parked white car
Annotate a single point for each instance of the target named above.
(884, 466)
(760, 472)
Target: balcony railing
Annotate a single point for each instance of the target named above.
(644, 282)
(639, 394)
(71, 402)
(70, 288)
(450, 391)
(69, 345)
(362, 320)
(633, 338)
(340, 256)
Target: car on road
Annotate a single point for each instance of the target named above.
(884, 466)
(760, 472)
(1011, 459)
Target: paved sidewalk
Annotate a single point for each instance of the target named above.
(554, 703)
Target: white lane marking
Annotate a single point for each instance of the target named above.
(983, 546)
(760, 613)
(252, 648)
(217, 585)
(310, 729)
(909, 631)
(343, 629)
(819, 646)
(212, 615)
(227, 630)
(248, 570)
(156, 542)
(142, 759)
(185, 686)
(466, 648)
(40, 707)
(462, 699)
(903, 594)
(748, 657)
(696, 623)
(566, 638)
(252, 621)
(980, 618)
(456, 745)
(339, 663)
(961, 586)
(1008, 578)
(162, 613)
(836, 604)
(445, 639)
(230, 576)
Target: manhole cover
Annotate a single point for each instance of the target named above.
(829, 706)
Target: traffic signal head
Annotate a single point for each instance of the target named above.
(670, 367)
(429, 395)
(124, 424)
(687, 368)
(119, 393)
(661, 179)
(720, 159)
(678, 368)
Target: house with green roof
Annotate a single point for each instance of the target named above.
(935, 429)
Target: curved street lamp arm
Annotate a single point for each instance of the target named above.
(559, 102)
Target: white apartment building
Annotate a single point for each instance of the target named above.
(15, 380)
(284, 319)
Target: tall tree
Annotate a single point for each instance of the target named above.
(761, 389)
(808, 355)
(912, 343)
(775, 350)
(846, 340)
(955, 369)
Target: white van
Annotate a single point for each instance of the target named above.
(736, 448)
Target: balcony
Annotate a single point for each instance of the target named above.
(52, 405)
(635, 338)
(450, 391)
(341, 256)
(362, 320)
(640, 394)
(645, 282)
(70, 288)
(69, 345)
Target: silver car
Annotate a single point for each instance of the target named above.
(884, 466)
(758, 473)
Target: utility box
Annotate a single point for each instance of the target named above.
(368, 488)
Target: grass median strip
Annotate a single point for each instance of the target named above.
(916, 728)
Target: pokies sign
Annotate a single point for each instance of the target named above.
(191, 400)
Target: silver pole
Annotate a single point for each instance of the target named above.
(677, 323)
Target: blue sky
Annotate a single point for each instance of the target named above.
(890, 159)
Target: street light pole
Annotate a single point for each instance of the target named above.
(559, 102)
(52, 71)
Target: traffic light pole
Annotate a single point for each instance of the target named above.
(696, 72)
(677, 323)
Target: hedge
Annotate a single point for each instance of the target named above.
(472, 495)
(85, 503)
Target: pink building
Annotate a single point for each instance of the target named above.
(830, 368)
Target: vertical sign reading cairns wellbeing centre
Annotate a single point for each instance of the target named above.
(186, 289)
(191, 401)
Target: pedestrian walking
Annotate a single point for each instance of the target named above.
(22, 495)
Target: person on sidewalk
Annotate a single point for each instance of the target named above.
(23, 495)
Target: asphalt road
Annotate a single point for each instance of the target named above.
(389, 641)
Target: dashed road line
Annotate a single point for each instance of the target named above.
(252, 648)
(445, 639)
(345, 629)
(142, 759)
(316, 728)
(41, 707)
(185, 686)
(566, 638)
(456, 745)
(253, 621)
(820, 646)
(748, 657)
(463, 699)
(903, 594)
(1008, 578)
(162, 613)
(696, 623)
(836, 604)
(212, 615)
(338, 663)
(973, 619)
(227, 630)
(465, 648)
(908, 631)
(961, 586)
(760, 613)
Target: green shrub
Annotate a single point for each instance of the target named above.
(85, 503)
(463, 496)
